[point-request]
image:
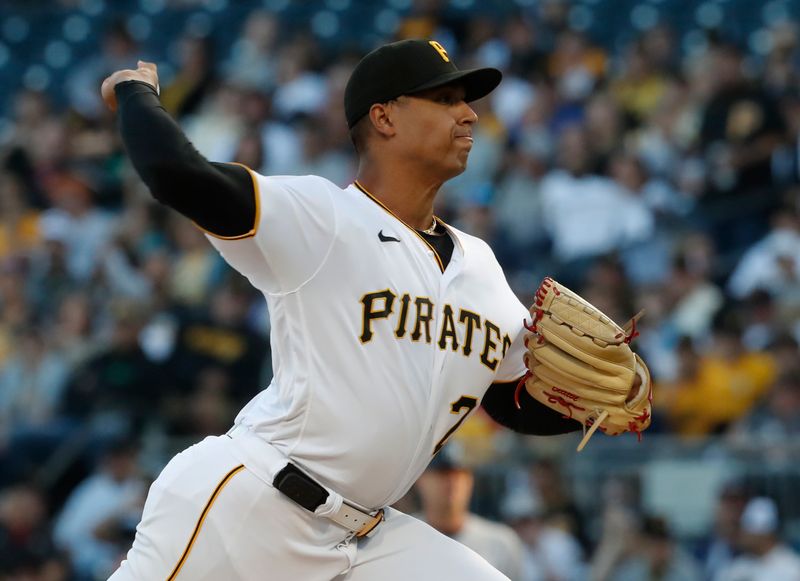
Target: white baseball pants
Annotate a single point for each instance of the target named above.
(207, 517)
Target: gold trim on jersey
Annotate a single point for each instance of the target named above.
(202, 518)
(254, 229)
(414, 230)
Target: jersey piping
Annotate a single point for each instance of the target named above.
(254, 229)
(202, 519)
(414, 230)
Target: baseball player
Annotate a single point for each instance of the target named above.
(389, 328)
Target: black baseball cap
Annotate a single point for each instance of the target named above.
(406, 67)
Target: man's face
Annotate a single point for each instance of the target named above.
(434, 127)
(573, 150)
(446, 492)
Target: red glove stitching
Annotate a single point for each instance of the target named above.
(562, 402)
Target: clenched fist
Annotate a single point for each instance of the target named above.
(146, 72)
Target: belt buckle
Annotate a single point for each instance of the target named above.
(370, 526)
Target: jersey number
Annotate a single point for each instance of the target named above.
(465, 402)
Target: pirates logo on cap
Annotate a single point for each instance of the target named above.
(440, 49)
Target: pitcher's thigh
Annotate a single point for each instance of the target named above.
(407, 549)
(209, 518)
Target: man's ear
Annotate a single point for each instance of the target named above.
(380, 115)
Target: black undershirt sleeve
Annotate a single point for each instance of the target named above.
(219, 197)
(532, 418)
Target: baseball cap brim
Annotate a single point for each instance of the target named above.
(406, 67)
(477, 83)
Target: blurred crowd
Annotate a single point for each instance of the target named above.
(545, 536)
(652, 175)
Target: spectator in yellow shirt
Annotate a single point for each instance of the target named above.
(716, 388)
(19, 224)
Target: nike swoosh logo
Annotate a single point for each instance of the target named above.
(383, 238)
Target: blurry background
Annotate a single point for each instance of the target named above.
(644, 152)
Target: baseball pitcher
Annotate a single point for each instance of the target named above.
(389, 328)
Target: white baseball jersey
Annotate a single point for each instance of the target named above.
(378, 354)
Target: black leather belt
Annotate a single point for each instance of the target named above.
(306, 492)
(310, 494)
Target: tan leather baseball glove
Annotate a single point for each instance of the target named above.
(580, 363)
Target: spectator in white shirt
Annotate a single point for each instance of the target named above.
(768, 557)
(445, 490)
(772, 263)
(99, 517)
(587, 214)
(551, 553)
(74, 220)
